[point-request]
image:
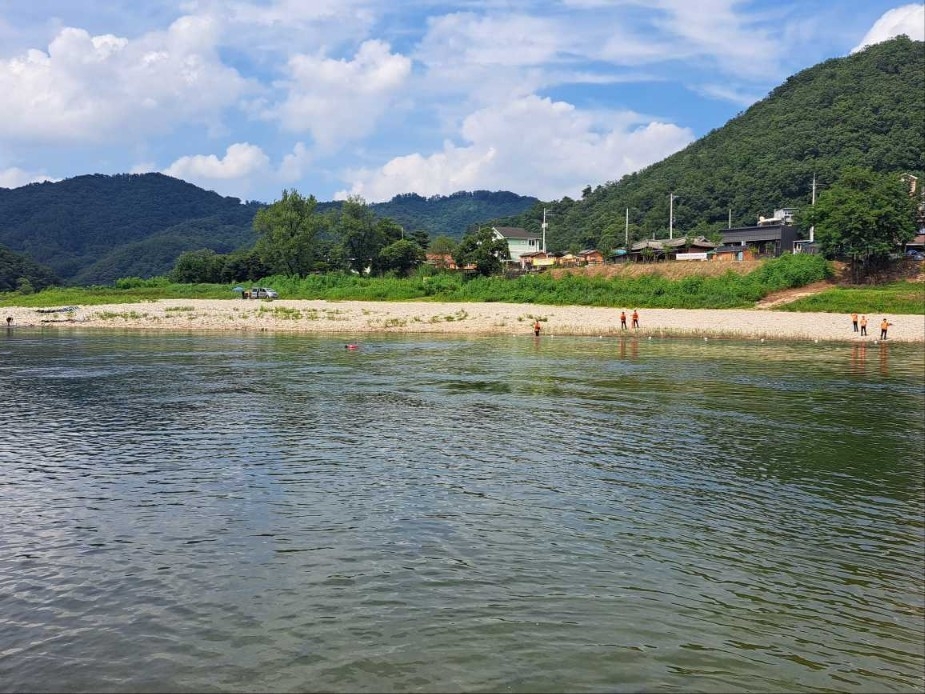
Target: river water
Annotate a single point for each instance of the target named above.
(276, 513)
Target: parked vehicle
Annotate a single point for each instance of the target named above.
(261, 293)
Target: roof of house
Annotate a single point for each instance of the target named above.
(661, 244)
(516, 233)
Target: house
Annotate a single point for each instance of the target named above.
(590, 256)
(682, 248)
(775, 239)
(782, 216)
(519, 241)
(733, 252)
(536, 261)
(441, 261)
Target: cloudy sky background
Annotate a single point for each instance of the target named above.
(376, 98)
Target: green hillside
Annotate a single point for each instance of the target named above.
(867, 110)
(95, 229)
(74, 225)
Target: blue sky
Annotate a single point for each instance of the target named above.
(375, 98)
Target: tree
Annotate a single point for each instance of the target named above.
(444, 248)
(289, 231)
(360, 235)
(400, 257)
(863, 217)
(482, 249)
(204, 265)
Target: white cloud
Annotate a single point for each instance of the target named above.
(339, 100)
(92, 89)
(15, 177)
(532, 146)
(295, 164)
(241, 163)
(908, 20)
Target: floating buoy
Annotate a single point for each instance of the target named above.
(762, 339)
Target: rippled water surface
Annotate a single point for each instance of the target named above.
(276, 513)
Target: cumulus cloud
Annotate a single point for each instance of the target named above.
(530, 145)
(15, 177)
(295, 164)
(908, 20)
(339, 101)
(90, 89)
(242, 162)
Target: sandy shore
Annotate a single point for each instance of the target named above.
(360, 317)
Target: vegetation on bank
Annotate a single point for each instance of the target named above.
(893, 298)
(653, 290)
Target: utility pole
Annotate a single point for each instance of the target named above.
(812, 229)
(671, 198)
(627, 241)
(544, 229)
(729, 223)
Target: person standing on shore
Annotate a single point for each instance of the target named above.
(854, 321)
(536, 328)
(863, 326)
(884, 325)
(622, 320)
(635, 318)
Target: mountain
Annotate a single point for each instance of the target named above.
(18, 271)
(95, 229)
(867, 109)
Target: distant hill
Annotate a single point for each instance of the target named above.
(95, 229)
(16, 268)
(867, 109)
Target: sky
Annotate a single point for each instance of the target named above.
(374, 98)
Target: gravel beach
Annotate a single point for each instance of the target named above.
(352, 318)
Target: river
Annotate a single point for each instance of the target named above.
(227, 512)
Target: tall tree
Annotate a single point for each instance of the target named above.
(361, 236)
(863, 217)
(288, 234)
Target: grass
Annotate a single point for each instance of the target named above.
(894, 298)
(667, 285)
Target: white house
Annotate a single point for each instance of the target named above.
(519, 241)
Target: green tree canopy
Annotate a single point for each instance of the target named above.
(482, 249)
(289, 232)
(401, 257)
(863, 217)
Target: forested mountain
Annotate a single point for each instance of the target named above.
(20, 272)
(866, 110)
(95, 229)
(452, 214)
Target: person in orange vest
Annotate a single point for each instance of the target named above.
(883, 328)
(635, 318)
(863, 325)
(622, 320)
(854, 321)
(536, 328)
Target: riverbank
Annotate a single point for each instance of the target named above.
(361, 317)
